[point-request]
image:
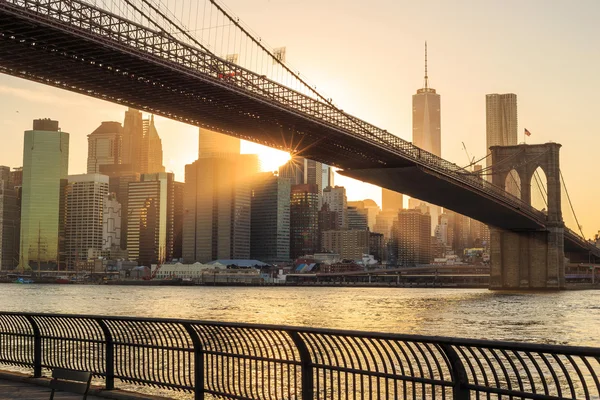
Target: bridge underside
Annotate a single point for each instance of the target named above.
(436, 189)
(103, 68)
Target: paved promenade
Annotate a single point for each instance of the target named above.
(23, 390)
(20, 386)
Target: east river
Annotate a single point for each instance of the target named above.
(567, 317)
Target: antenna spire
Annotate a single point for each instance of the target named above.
(426, 77)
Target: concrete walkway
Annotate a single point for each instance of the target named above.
(23, 390)
(20, 386)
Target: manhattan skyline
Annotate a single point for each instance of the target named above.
(551, 105)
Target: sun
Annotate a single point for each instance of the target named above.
(270, 159)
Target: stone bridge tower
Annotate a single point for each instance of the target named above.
(529, 259)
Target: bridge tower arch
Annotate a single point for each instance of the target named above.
(529, 259)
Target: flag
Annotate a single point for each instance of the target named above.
(527, 132)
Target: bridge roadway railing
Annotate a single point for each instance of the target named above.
(247, 361)
(159, 45)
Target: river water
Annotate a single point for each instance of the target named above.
(567, 317)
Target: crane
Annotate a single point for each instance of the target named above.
(471, 160)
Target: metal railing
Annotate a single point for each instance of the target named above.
(246, 361)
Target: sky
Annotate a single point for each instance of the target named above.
(368, 57)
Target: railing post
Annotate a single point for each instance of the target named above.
(460, 391)
(198, 362)
(306, 366)
(109, 361)
(37, 348)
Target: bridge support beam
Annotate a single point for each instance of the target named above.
(527, 260)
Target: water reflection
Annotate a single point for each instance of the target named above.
(547, 317)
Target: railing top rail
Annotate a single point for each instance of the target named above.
(482, 343)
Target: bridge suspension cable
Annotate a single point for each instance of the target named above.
(562, 179)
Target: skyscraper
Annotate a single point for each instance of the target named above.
(111, 223)
(336, 198)
(85, 196)
(411, 238)
(293, 170)
(141, 145)
(119, 178)
(104, 146)
(357, 220)
(150, 219)
(350, 244)
(270, 232)
(304, 220)
(152, 155)
(328, 175)
(427, 126)
(426, 117)
(133, 140)
(391, 200)
(45, 171)
(501, 120)
(369, 208)
(214, 144)
(178, 221)
(217, 199)
(313, 174)
(501, 129)
(9, 228)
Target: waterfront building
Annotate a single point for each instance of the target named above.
(150, 218)
(111, 224)
(328, 221)
(85, 197)
(411, 238)
(120, 175)
(357, 219)
(16, 177)
(304, 220)
(293, 170)
(178, 221)
(384, 221)
(501, 130)
(480, 234)
(5, 175)
(270, 216)
(350, 244)
(9, 225)
(336, 198)
(462, 233)
(444, 232)
(217, 207)
(377, 246)
(104, 146)
(369, 209)
(45, 171)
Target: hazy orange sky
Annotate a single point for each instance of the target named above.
(368, 57)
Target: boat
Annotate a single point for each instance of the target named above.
(63, 280)
(22, 280)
